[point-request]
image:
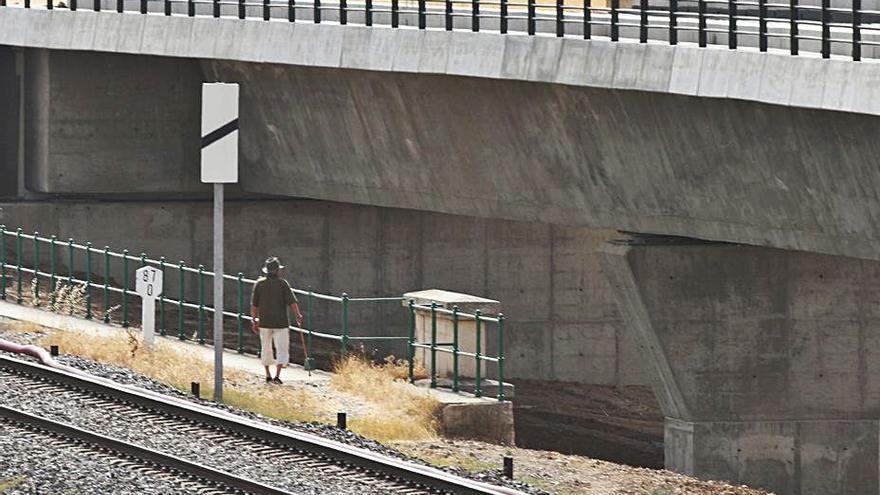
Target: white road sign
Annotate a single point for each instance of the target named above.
(148, 285)
(219, 133)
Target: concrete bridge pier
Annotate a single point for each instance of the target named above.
(766, 362)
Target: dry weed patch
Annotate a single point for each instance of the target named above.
(400, 412)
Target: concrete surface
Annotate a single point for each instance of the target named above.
(461, 414)
(640, 161)
(763, 360)
(562, 323)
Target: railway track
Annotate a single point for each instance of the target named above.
(167, 425)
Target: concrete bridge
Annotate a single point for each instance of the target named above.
(497, 164)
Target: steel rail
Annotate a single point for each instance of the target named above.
(314, 444)
(166, 461)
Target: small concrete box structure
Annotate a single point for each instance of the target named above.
(467, 329)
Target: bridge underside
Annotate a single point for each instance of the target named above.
(647, 162)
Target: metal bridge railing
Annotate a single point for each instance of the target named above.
(95, 274)
(794, 25)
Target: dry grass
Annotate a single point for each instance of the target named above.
(177, 368)
(401, 412)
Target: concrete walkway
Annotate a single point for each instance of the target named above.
(462, 414)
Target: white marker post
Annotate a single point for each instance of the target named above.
(219, 166)
(149, 286)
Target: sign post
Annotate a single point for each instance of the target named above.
(149, 286)
(219, 166)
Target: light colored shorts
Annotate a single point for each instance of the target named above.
(281, 338)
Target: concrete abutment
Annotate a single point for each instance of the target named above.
(765, 361)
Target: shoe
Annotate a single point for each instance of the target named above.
(277, 381)
(268, 379)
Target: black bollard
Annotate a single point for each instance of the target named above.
(53, 350)
(341, 421)
(196, 389)
(508, 467)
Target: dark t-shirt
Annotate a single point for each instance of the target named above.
(272, 296)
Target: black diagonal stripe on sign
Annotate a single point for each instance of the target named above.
(217, 134)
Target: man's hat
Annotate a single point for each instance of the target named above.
(272, 265)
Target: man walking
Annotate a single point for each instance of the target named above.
(269, 302)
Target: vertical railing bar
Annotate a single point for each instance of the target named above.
(291, 10)
(701, 19)
(530, 16)
(143, 6)
(560, 19)
(309, 361)
(88, 280)
(73, 5)
(241, 9)
(201, 329)
(615, 6)
(18, 248)
(643, 21)
(167, 6)
(500, 357)
(180, 307)
(96, 5)
(368, 12)
(587, 17)
(3, 262)
(857, 30)
(411, 350)
(49, 5)
(239, 288)
(120, 6)
(455, 348)
(433, 345)
(106, 284)
(826, 29)
(478, 375)
(316, 16)
(190, 8)
(344, 340)
(762, 25)
(343, 12)
(36, 282)
(267, 13)
(125, 288)
(731, 25)
(52, 258)
(395, 13)
(448, 14)
(673, 22)
(216, 11)
(503, 17)
(422, 14)
(27, 4)
(793, 26)
(475, 15)
(163, 328)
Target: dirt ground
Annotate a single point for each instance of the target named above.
(566, 474)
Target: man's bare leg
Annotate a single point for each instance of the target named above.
(268, 374)
(278, 371)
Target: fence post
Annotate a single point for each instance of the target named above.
(267, 14)
(673, 22)
(762, 25)
(216, 10)
(162, 328)
(125, 288)
(455, 348)
(395, 13)
(106, 284)
(500, 357)
(3, 262)
(190, 8)
(422, 14)
(344, 340)
(201, 304)
(475, 15)
(701, 22)
(410, 348)
(180, 307)
(588, 14)
(478, 391)
(241, 9)
(18, 297)
(448, 14)
(240, 289)
(88, 280)
(368, 13)
(560, 17)
(167, 7)
(52, 256)
(434, 342)
(310, 364)
(826, 29)
(291, 10)
(316, 16)
(343, 12)
(793, 26)
(643, 21)
(503, 20)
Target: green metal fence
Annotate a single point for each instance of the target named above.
(12, 258)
